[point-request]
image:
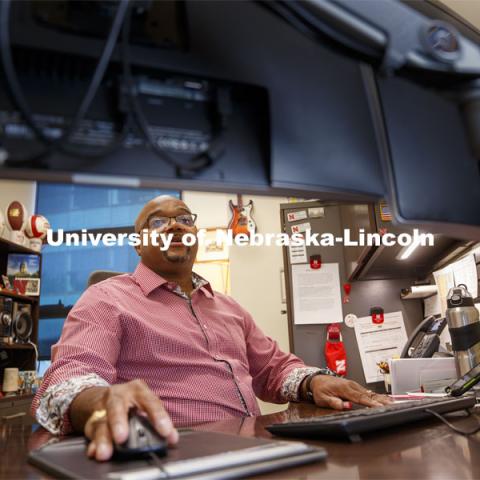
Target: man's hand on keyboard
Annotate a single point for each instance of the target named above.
(338, 393)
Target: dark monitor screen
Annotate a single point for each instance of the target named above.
(184, 116)
(294, 116)
(432, 173)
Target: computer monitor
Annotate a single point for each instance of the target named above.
(275, 111)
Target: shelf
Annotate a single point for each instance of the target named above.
(18, 296)
(6, 246)
(16, 398)
(16, 346)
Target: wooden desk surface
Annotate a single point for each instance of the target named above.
(426, 450)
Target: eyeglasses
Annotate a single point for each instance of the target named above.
(160, 223)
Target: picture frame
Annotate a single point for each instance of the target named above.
(23, 272)
(210, 250)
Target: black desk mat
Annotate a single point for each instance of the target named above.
(67, 459)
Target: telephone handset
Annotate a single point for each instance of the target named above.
(425, 339)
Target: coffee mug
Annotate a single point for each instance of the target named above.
(10, 380)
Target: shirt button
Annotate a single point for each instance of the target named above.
(204, 326)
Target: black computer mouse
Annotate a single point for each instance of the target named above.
(142, 440)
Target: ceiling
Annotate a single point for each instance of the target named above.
(468, 9)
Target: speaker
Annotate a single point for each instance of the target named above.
(6, 323)
(22, 323)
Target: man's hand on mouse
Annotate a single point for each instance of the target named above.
(338, 393)
(108, 422)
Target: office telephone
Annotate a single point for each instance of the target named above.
(425, 339)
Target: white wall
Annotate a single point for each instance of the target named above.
(254, 271)
(20, 190)
(212, 208)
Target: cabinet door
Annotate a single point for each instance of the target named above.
(16, 411)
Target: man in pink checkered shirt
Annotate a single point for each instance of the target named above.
(160, 340)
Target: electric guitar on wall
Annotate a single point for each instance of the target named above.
(242, 220)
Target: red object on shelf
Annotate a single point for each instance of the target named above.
(20, 285)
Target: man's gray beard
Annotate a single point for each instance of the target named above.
(177, 258)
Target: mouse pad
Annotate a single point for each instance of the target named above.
(198, 455)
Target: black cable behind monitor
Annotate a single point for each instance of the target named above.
(219, 96)
(200, 161)
(18, 98)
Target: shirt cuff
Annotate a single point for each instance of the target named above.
(291, 384)
(54, 405)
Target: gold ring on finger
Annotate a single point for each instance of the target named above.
(97, 416)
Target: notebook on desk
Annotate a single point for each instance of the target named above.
(199, 455)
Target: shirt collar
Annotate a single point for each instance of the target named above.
(148, 281)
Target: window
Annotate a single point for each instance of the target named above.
(65, 269)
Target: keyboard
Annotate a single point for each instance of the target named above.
(352, 423)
